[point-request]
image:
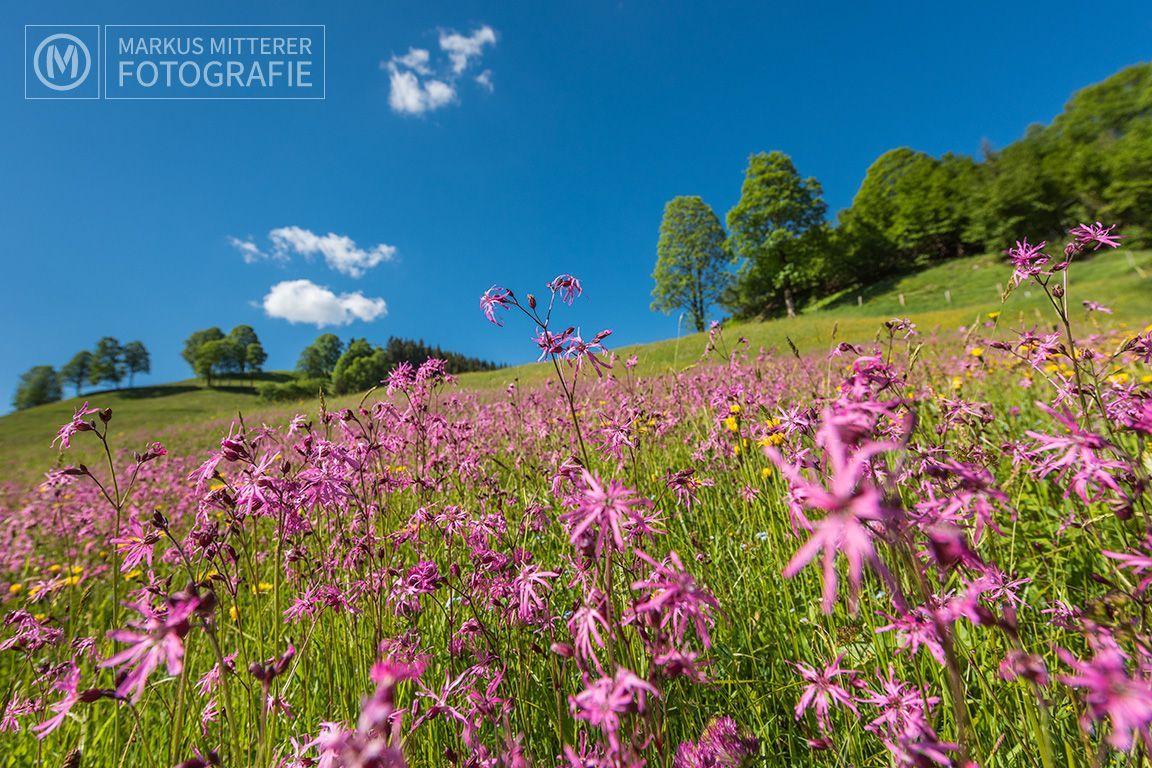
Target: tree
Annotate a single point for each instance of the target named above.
(107, 362)
(255, 357)
(75, 372)
(1129, 192)
(37, 386)
(319, 358)
(361, 367)
(910, 209)
(1097, 124)
(193, 343)
(213, 358)
(136, 360)
(691, 260)
(777, 230)
(241, 336)
(1022, 193)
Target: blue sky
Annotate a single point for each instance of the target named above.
(119, 217)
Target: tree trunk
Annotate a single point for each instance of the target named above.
(788, 303)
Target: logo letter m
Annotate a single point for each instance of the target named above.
(55, 60)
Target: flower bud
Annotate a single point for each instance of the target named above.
(280, 665)
(207, 604)
(95, 694)
(1122, 508)
(106, 415)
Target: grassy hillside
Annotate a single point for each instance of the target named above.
(186, 415)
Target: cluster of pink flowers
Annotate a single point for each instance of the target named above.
(867, 452)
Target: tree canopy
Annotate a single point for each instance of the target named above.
(75, 371)
(37, 386)
(107, 363)
(777, 231)
(136, 360)
(319, 358)
(691, 260)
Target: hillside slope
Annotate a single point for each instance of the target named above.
(188, 416)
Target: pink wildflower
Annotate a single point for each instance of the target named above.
(823, 691)
(157, 639)
(1111, 692)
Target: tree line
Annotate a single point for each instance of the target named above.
(110, 362)
(328, 364)
(780, 250)
(214, 356)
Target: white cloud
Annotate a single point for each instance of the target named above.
(416, 59)
(417, 84)
(409, 96)
(248, 249)
(461, 49)
(340, 252)
(302, 301)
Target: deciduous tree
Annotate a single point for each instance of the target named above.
(37, 386)
(777, 231)
(319, 358)
(75, 372)
(107, 363)
(136, 360)
(193, 343)
(691, 260)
